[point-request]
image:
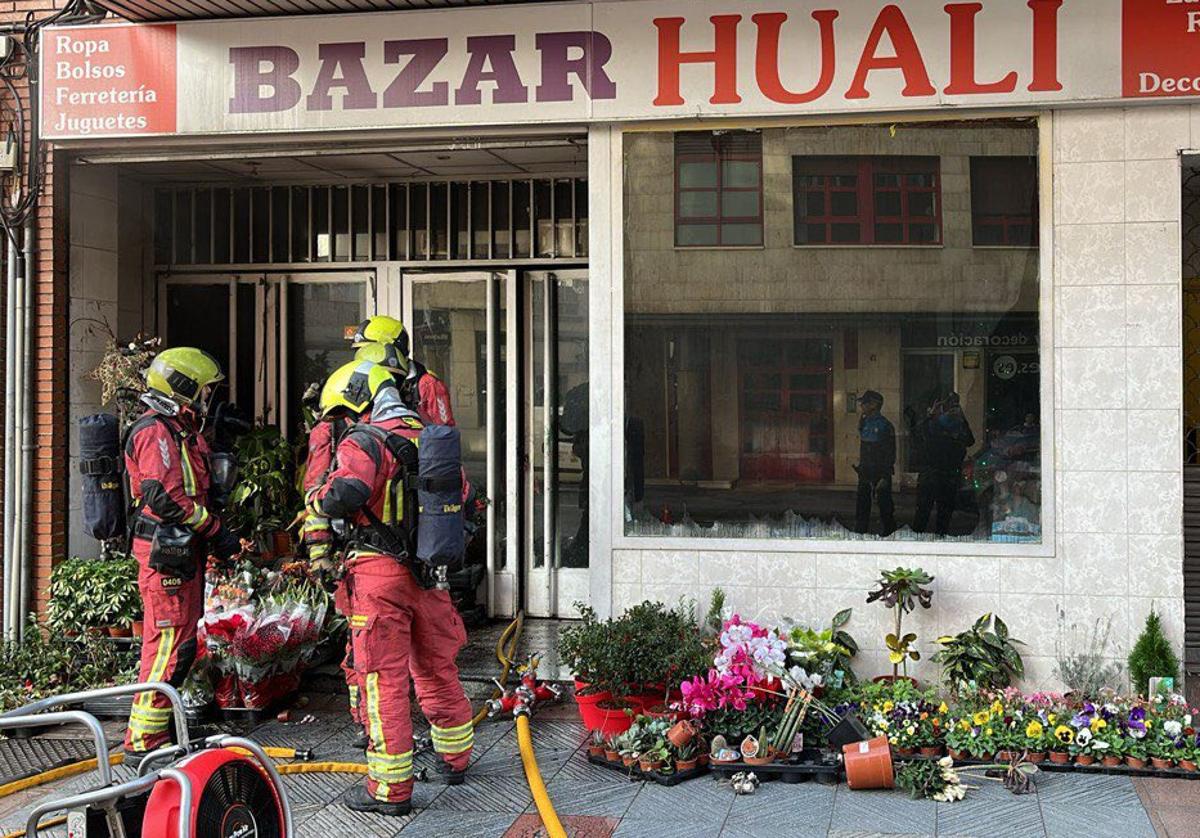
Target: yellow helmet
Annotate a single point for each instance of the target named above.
(384, 354)
(353, 386)
(182, 373)
(382, 329)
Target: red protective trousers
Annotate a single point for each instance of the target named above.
(397, 627)
(172, 608)
(341, 603)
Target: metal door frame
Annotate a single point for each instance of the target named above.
(549, 442)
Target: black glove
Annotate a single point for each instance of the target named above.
(225, 544)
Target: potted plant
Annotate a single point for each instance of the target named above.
(1189, 755)
(1064, 740)
(95, 595)
(261, 504)
(1034, 743)
(929, 739)
(828, 653)
(1152, 655)
(627, 745)
(687, 757)
(982, 657)
(1084, 749)
(654, 757)
(612, 748)
(902, 590)
(1136, 752)
(596, 745)
(958, 738)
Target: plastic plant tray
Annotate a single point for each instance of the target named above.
(809, 764)
(635, 773)
(1071, 768)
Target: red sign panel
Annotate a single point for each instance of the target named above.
(1161, 48)
(108, 80)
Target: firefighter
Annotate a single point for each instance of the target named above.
(420, 388)
(399, 623)
(167, 460)
(317, 537)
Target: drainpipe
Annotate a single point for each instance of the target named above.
(10, 434)
(28, 377)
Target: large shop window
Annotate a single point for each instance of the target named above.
(718, 189)
(867, 200)
(890, 391)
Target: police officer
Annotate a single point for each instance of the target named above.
(168, 463)
(944, 435)
(397, 624)
(421, 389)
(876, 464)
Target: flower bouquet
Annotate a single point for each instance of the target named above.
(261, 629)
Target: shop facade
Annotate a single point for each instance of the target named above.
(659, 263)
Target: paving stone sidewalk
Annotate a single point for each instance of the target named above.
(598, 802)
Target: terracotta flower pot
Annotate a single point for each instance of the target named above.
(1135, 762)
(1036, 757)
(905, 752)
(763, 759)
(958, 756)
(984, 756)
(1111, 759)
(120, 631)
(281, 543)
(892, 679)
(681, 733)
(869, 764)
(686, 764)
(703, 759)
(1084, 759)
(931, 751)
(660, 711)
(137, 628)
(1060, 757)
(1161, 764)
(1188, 765)
(1004, 756)
(612, 756)
(595, 750)
(649, 765)
(627, 761)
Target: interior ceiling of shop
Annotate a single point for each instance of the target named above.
(205, 9)
(565, 156)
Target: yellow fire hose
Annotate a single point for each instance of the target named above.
(554, 827)
(506, 648)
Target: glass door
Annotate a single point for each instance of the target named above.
(273, 334)
(555, 480)
(458, 326)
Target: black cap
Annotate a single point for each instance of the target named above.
(871, 396)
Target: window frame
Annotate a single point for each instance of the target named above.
(1007, 221)
(719, 156)
(865, 168)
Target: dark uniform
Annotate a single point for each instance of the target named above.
(876, 465)
(944, 436)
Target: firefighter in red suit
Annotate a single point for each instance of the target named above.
(317, 536)
(398, 625)
(423, 391)
(168, 464)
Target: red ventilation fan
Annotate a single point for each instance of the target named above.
(232, 797)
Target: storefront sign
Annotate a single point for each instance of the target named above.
(609, 61)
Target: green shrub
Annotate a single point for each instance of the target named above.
(48, 662)
(94, 593)
(1152, 655)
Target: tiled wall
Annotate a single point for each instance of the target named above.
(107, 235)
(1117, 405)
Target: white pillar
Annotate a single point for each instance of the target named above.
(606, 359)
